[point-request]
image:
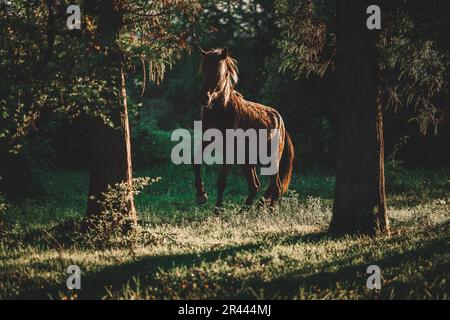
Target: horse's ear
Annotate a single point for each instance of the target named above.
(224, 54)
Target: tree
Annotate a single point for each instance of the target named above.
(122, 32)
(110, 145)
(406, 63)
(46, 69)
(359, 200)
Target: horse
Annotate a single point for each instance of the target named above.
(222, 108)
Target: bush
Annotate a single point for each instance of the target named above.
(24, 172)
(151, 145)
(113, 227)
(11, 233)
(2, 213)
(395, 171)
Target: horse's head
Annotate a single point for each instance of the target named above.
(219, 74)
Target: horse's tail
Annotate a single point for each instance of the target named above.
(286, 163)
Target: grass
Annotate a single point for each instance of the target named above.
(186, 252)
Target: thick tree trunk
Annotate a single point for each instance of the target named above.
(110, 147)
(359, 200)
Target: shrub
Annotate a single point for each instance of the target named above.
(2, 215)
(113, 227)
(11, 233)
(151, 145)
(24, 172)
(394, 169)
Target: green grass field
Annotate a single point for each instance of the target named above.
(186, 252)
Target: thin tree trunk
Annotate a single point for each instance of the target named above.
(110, 157)
(382, 220)
(359, 200)
(127, 141)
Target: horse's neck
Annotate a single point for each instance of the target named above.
(222, 102)
(237, 102)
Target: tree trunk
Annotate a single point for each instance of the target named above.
(110, 157)
(359, 201)
(110, 147)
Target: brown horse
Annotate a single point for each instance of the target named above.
(225, 108)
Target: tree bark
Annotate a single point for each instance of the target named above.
(110, 147)
(359, 201)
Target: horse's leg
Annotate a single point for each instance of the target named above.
(273, 191)
(221, 183)
(201, 195)
(252, 183)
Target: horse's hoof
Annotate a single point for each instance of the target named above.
(201, 199)
(218, 210)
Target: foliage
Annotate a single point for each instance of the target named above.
(306, 112)
(2, 203)
(47, 69)
(49, 74)
(2, 212)
(150, 34)
(11, 232)
(307, 44)
(40, 71)
(415, 71)
(151, 145)
(394, 168)
(413, 57)
(24, 172)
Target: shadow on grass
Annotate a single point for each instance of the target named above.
(346, 272)
(354, 274)
(93, 284)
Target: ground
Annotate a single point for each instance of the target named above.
(187, 252)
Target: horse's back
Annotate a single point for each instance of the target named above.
(243, 114)
(256, 115)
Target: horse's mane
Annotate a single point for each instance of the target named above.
(228, 77)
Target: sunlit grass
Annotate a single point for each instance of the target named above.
(186, 252)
